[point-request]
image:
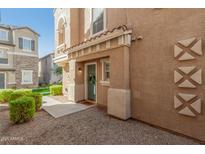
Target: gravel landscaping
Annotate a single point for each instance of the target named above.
(92, 126)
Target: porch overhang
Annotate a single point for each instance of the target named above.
(117, 37)
(63, 58)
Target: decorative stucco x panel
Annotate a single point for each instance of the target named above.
(188, 104)
(187, 78)
(188, 49)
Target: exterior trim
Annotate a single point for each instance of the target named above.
(7, 56)
(61, 58)
(7, 69)
(7, 34)
(64, 21)
(16, 28)
(100, 40)
(22, 76)
(103, 81)
(61, 45)
(12, 83)
(22, 54)
(27, 29)
(29, 39)
(9, 44)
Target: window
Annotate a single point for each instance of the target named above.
(97, 20)
(3, 35)
(3, 56)
(26, 44)
(61, 31)
(27, 77)
(105, 70)
(61, 36)
(106, 66)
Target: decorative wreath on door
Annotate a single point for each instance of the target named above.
(92, 79)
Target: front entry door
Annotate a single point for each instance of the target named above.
(91, 82)
(2, 81)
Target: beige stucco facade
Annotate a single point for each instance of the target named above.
(156, 65)
(19, 59)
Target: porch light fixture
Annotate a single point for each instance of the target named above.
(79, 70)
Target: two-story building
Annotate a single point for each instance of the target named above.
(18, 57)
(47, 67)
(146, 64)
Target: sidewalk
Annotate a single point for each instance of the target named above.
(58, 109)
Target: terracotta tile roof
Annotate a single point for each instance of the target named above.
(121, 27)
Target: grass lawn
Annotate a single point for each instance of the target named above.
(42, 90)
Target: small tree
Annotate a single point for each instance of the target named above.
(57, 70)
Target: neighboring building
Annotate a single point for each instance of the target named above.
(46, 70)
(150, 69)
(18, 57)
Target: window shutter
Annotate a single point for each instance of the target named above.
(20, 43)
(33, 45)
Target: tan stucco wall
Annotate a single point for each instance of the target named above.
(75, 26)
(119, 78)
(152, 63)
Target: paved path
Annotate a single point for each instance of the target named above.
(58, 109)
(4, 107)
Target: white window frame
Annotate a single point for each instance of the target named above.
(7, 56)
(28, 39)
(5, 79)
(26, 71)
(104, 23)
(103, 81)
(7, 35)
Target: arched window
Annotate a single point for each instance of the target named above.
(61, 31)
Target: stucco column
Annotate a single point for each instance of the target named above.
(64, 78)
(71, 80)
(75, 81)
(119, 91)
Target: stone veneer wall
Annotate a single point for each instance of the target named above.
(65, 79)
(26, 63)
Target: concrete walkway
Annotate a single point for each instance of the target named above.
(58, 109)
(4, 107)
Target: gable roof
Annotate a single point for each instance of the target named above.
(12, 27)
(52, 53)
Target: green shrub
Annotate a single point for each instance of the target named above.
(5, 95)
(15, 95)
(21, 109)
(24, 91)
(38, 100)
(19, 93)
(56, 90)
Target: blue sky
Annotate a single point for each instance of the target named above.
(40, 20)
